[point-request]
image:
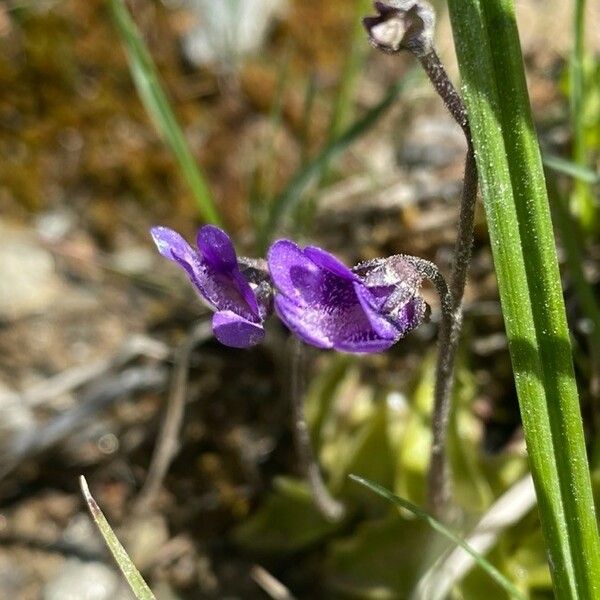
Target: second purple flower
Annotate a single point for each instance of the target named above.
(326, 304)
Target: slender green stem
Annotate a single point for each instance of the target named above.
(524, 253)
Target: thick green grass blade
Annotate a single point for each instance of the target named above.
(132, 575)
(157, 105)
(543, 276)
(289, 198)
(524, 253)
(443, 530)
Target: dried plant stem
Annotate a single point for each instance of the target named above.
(330, 508)
(439, 491)
(168, 441)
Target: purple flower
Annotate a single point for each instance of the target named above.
(241, 298)
(326, 304)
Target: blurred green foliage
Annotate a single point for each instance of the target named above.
(384, 435)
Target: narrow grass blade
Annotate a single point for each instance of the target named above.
(269, 152)
(506, 511)
(310, 94)
(289, 198)
(500, 579)
(567, 167)
(132, 575)
(571, 236)
(157, 105)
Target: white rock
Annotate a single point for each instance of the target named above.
(27, 272)
(79, 580)
(16, 418)
(228, 30)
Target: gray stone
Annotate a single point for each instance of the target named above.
(30, 283)
(79, 580)
(228, 30)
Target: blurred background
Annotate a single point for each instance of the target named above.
(281, 104)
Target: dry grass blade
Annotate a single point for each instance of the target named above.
(168, 441)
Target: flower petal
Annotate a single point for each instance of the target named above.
(328, 305)
(329, 262)
(216, 248)
(370, 305)
(172, 246)
(219, 254)
(344, 328)
(292, 273)
(235, 331)
(369, 342)
(246, 292)
(410, 315)
(302, 322)
(222, 288)
(170, 243)
(230, 291)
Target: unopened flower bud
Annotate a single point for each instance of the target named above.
(402, 25)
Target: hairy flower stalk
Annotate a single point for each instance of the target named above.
(408, 25)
